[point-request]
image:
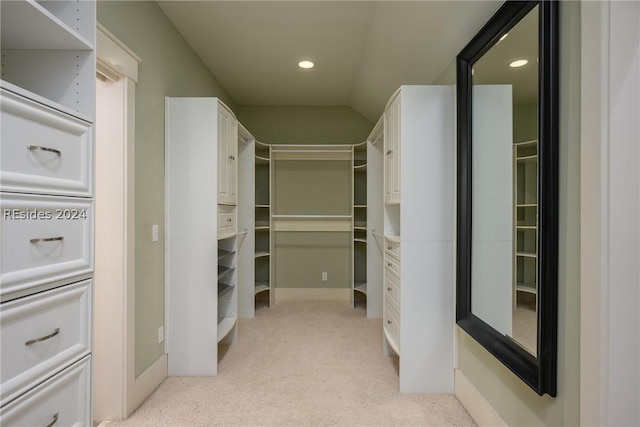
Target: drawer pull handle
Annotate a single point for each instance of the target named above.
(51, 150)
(389, 264)
(389, 248)
(389, 152)
(47, 239)
(389, 322)
(46, 337)
(232, 158)
(389, 288)
(53, 421)
(228, 219)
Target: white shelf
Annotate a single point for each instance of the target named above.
(360, 227)
(392, 238)
(43, 100)
(527, 205)
(526, 227)
(531, 158)
(262, 160)
(526, 254)
(525, 143)
(527, 287)
(359, 240)
(261, 287)
(26, 25)
(360, 287)
(262, 206)
(225, 326)
(360, 206)
(362, 167)
(262, 254)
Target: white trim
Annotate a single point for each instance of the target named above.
(114, 317)
(475, 404)
(112, 50)
(313, 294)
(149, 380)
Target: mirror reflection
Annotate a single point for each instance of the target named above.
(504, 251)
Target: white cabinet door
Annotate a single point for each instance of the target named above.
(392, 152)
(227, 156)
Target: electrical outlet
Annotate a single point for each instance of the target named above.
(160, 334)
(324, 276)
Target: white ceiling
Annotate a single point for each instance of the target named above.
(363, 50)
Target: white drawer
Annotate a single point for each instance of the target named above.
(45, 239)
(392, 328)
(392, 291)
(392, 248)
(64, 398)
(41, 334)
(391, 264)
(226, 221)
(44, 151)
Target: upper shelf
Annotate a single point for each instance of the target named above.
(27, 25)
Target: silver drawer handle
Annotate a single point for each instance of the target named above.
(232, 158)
(389, 248)
(389, 152)
(389, 264)
(51, 150)
(389, 322)
(389, 289)
(229, 220)
(47, 239)
(46, 337)
(55, 420)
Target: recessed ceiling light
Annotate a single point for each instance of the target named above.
(503, 37)
(306, 64)
(518, 63)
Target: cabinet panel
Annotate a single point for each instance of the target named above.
(43, 333)
(45, 239)
(226, 221)
(227, 156)
(64, 399)
(43, 150)
(392, 327)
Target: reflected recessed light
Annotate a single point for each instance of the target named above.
(518, 63)
(503, 37)
(306, 64)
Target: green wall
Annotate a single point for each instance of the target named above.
(169, 68)
(305, 124)
(516, 403)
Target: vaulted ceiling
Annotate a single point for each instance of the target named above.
(363, 50)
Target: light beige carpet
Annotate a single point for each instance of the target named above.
(300, 364)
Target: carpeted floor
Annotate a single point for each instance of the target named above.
(300, 364)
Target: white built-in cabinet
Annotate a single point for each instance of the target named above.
(204, 222)
(47, 100)
(227, 156)
(411, 233)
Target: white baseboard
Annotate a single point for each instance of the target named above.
(313, 294)
(148, 381)
(475, 404)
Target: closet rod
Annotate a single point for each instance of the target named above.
(311, 151)
(246, 231)
(313, 216)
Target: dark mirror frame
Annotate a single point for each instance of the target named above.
(537, 372)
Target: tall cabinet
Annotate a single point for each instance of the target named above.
(203, 219)
(413, 251)
(47, 99)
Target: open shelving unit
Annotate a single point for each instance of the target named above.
(359, 223)
(525, 156)
(262, 286)
(227, 289)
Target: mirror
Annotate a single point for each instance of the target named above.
(507, 190)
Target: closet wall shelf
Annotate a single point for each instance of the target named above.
(223, 271)
(311, 216)
(225, 325)
(360, 287)
(526, 254)
(30, 26)
(262, 254)
(261, 287)
(526, 287)
(223, 289)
